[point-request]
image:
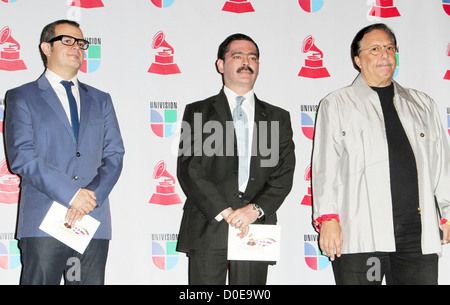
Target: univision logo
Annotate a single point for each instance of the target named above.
(163, 118)
(92, 56)
(311, 6)
(164, 253)
(163, 3)
(448, 120)
(9, 252)
(313, 256)
(308, 118)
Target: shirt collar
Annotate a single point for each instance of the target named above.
(231, 96)
(55, 80)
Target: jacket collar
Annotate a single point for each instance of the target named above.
(223, 109)
(49, 95)
(364, 92)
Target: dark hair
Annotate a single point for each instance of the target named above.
(49, 32)
(225, 45)
(356, 44)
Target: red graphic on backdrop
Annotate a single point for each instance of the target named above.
(446, 5)
(314, 63)
(87, 3)
(9, 52)
(164, 63)
(165, 190)
(307, 199)
(9, 185)
(384, 9)
(447, 75)
(238, 6)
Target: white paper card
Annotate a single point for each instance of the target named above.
(77, 236)
(262, 243)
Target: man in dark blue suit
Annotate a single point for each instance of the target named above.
(63, 140)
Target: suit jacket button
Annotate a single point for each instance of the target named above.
(75, 177)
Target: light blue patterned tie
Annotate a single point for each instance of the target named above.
(73, 107)
(241, 128)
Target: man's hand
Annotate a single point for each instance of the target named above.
(83, 203)
(241, 218)
(330, 240)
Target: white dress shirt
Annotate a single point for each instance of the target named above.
(248, 105)
(55, 81)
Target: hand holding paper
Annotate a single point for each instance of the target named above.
(77, 235)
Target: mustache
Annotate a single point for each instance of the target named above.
(385, 64)
(245, 68)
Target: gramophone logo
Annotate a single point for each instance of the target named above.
(384, 9)
(447, 75)
(92, 56)
(163, 118)
(164, 63)
(164, 253)
(313, 256)
(163, 3)
(165, 189)
(9, 253)
(238, 6)
(307, 199)
(87, 3)
(313, 63)
(311, 6)
(446, 5)
(10, 52)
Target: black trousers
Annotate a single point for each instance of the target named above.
(45, 260)
(406, 266)
(209, 267)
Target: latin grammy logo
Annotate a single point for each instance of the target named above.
(164, 63)
(10, 55)
(384, 9)
(9, 185)
(238, 6)
(447, 75)
(87, 3)
(313, 64)
(307, 199)
(165, 190)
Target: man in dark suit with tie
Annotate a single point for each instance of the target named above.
(227, 174)
(63, 140)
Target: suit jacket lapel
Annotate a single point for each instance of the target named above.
(222, 107)
(49, 95)
(261, 114)
(84, 109)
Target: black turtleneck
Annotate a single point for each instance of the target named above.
(402, 163)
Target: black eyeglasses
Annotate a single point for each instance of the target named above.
(70, 41)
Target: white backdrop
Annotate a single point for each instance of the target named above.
(150, 105)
